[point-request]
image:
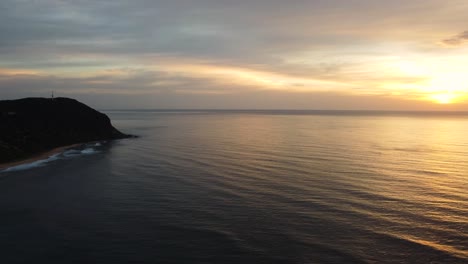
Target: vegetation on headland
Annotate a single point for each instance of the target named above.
(33, 125)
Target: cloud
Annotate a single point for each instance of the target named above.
(457, 40)
(206, 47)
(249, 31)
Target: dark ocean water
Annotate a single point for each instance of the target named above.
(247, 187)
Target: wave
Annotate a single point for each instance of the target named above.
(35, 164)
(88, 149)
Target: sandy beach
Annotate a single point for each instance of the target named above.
(40, 156)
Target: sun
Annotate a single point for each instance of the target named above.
(447, 88)
(444, 98)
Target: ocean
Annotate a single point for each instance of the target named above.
(247, 187)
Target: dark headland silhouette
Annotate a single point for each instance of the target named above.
(33, 125)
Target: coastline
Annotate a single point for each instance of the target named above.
(70, 120)
(37, 157)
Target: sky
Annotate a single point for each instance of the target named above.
(243, 54)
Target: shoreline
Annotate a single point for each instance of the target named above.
(37, 157)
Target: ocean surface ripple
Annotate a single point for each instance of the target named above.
(247, 187)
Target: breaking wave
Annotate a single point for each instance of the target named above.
(35, 164)
(85, 149)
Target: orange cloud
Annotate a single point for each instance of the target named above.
(457, 40)
(9, 72)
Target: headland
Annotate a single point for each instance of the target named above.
(33, 127)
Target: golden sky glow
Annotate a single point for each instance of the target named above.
(267, 54)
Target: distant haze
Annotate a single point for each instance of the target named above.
(256, 54)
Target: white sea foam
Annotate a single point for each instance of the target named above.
(70, 153)
(88, 151)
(35, 164)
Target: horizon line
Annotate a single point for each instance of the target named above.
(287, 110)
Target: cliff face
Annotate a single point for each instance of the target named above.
(32, 125)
